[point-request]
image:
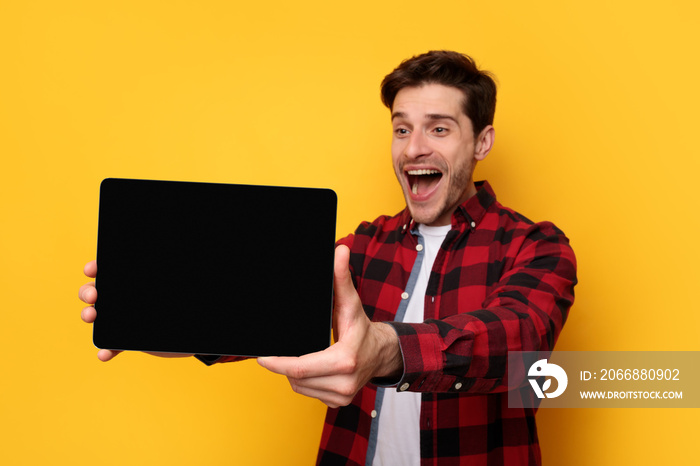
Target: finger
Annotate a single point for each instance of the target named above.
(320, 364)
(343, 288)
(317, 381)
(331, 399)
(105, 355)
(90, 269)
(169, 355)
(88, 314)
(341, 385)
(88, 293)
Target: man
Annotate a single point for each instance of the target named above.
(429, 302)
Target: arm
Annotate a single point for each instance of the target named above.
(465, 352)
(524, 311)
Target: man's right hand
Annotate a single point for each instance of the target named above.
(88, 295)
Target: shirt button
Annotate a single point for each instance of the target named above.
(373, 413)
(419, 247)
(404, 295)
(458, 385)
(404, 387)
(473, 224)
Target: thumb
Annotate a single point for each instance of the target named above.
(347, 302)
(343, 289)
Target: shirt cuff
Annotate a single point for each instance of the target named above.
(423, 365)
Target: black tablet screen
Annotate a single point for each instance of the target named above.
(214, 268)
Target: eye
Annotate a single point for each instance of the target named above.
(440, 130)
(401, 131)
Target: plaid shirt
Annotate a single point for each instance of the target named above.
(499, 283)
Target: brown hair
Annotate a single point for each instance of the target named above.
(449, 69)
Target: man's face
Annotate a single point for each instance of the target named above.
(434, 151)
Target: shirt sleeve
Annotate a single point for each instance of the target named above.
(525, 311)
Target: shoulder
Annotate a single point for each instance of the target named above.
(520, 241)
(492, 222)
(506, 221)
(510, 238)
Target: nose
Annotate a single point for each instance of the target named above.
(417, 145)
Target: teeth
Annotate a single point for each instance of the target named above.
(423, 172)
(414, 189)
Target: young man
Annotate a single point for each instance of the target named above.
(429, 302)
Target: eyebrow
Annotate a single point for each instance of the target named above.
(430, 116)
(438, 116)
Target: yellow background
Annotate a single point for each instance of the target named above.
(596, 129)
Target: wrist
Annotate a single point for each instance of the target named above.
(388, 356)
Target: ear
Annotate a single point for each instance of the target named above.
(484, 142)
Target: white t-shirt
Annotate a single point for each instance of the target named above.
(398, 436)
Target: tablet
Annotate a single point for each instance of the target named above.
(209, 268)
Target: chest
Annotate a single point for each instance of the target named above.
(462, 276)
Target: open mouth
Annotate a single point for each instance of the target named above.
(423, 181)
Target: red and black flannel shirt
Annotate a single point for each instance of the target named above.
(499, 283)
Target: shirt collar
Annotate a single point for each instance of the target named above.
(470, 211)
